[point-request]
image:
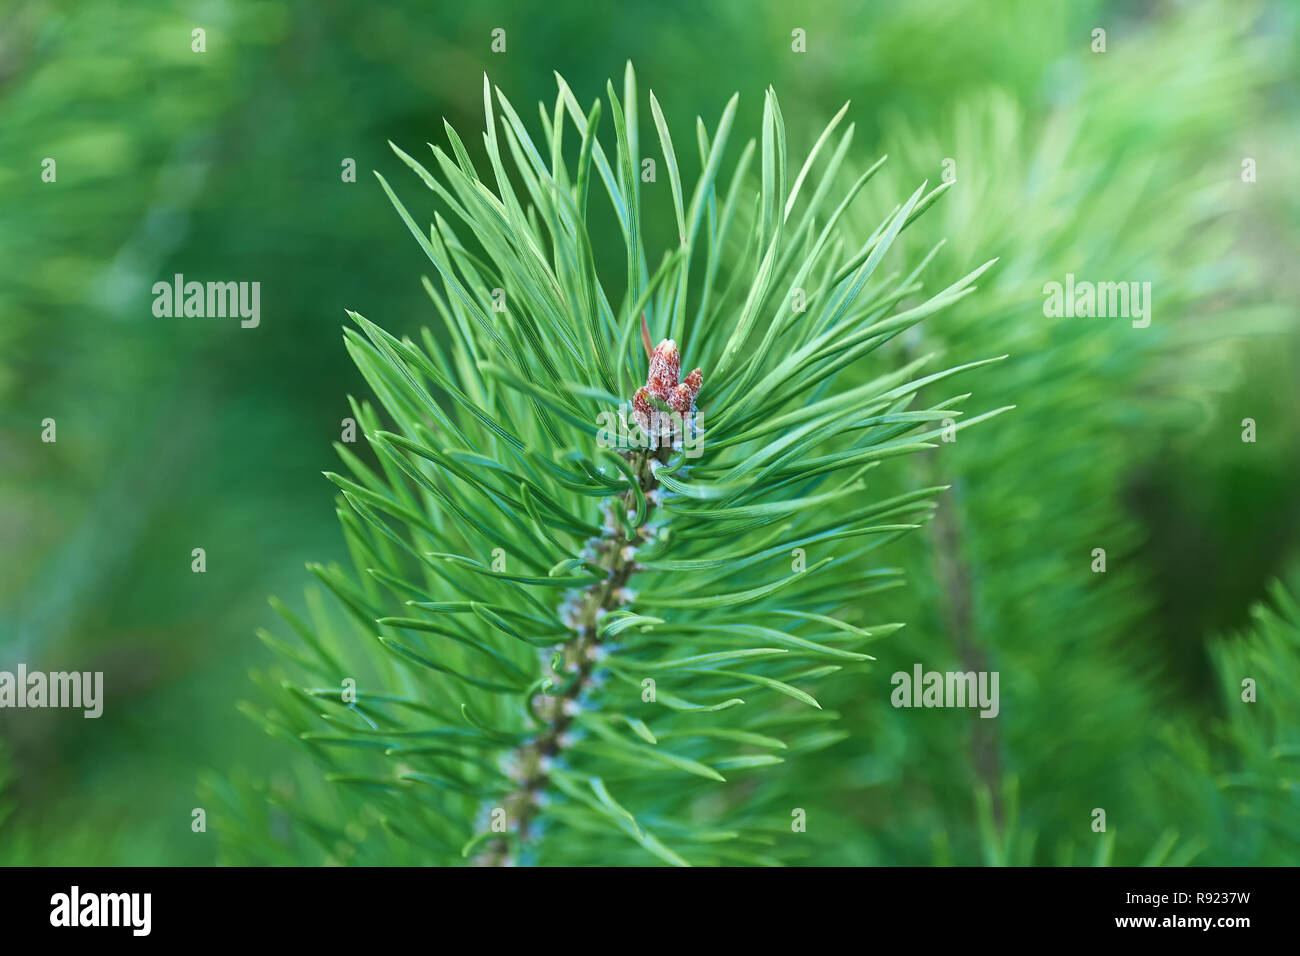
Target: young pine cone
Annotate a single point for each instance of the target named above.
(663, 383)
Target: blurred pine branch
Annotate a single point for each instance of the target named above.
(1003, 578)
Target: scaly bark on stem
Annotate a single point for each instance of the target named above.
(530, 759)
(959, 611)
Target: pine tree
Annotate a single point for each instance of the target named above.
(592, 600)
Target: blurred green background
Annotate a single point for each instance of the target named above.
(226, 165)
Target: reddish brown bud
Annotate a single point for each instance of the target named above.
(664, 387)
(641, 407)
(695, 381)
(680, 399)
(665, 369)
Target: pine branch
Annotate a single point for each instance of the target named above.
(641, 644)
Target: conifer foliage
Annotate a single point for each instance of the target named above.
(592, 598)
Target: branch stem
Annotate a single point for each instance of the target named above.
(615, 552)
